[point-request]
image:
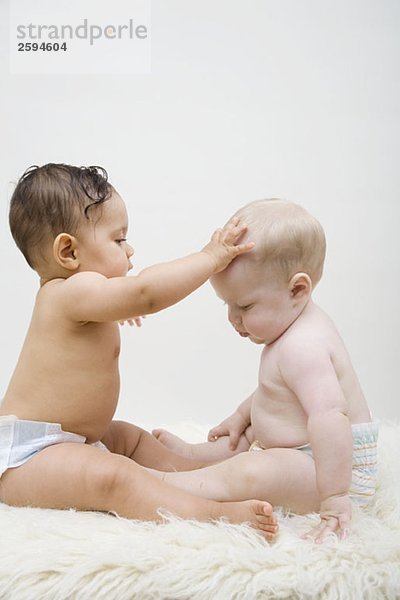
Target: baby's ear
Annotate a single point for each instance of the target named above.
(64, 247)
(300, 286)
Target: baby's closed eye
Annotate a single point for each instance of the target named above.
(246, 307)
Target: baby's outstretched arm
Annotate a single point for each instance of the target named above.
(90, 296)
(313, 379)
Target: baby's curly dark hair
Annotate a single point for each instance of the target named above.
(53, 199)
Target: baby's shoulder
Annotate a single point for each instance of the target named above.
(313, 324)
(313, 338)
(56, 295)
(76, 283)
(306, 338)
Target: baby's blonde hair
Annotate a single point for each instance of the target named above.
(287, 237)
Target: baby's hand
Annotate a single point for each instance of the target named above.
(233, 427)
(135, 321)
(335, 515)
(222, 246)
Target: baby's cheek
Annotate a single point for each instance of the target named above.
(251, 323)
(257, 325)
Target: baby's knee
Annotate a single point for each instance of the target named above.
(109, 476)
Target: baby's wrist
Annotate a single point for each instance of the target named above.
(336, 496)
(245, 420)
(212, 258)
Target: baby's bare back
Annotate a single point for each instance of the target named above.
(278, 418)
(67, 372)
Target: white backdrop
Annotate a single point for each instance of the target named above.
(246, 99)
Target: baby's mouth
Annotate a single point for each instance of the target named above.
(242, 333)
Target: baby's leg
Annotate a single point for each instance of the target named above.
(207, 452)
(136, 443)
(283, 476)
(86, 478)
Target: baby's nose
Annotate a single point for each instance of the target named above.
(129, 251)
(234, 316)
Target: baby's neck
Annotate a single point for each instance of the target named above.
(44, 280)
(51, 272)
(307, 308)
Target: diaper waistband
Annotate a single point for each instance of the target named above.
(365, 433)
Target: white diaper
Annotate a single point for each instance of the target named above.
(20, 440)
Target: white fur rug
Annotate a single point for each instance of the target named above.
(65, 555)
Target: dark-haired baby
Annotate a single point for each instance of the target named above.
(59, 447)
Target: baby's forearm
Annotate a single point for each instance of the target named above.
(332, 444)
(165, 284)
(244, 409)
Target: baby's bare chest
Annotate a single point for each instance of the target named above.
(274, 405)
(272, 389)
(98, 342)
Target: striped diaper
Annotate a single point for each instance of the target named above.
(365, 461)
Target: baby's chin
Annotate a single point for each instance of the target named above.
(255, 340)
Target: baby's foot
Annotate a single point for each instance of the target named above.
(173, 442)
(256, 512)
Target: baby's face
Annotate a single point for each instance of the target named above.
(102, 243)
(259, 306)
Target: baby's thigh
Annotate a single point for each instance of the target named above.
(66, 475)
(286, 477)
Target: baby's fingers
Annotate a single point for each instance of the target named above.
(233, 230)
(243, 248)
(233, 440)
(234, 222)
(134, 321)
(215, 433)
(321, 532)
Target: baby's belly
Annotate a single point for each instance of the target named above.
(94, 416)
(92, 425)
(87, 412)
(278, 433)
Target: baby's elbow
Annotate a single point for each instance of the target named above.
(340, 410)
(147, 301)
(328, 415)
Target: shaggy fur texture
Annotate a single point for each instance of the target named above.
(65, 555)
